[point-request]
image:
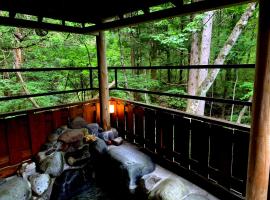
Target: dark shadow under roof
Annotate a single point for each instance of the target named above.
(92, 16)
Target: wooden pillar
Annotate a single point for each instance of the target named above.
(259, 147)
(103, 81)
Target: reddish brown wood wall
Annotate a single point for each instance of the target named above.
(21, 136)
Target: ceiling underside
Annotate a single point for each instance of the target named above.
(91, 16)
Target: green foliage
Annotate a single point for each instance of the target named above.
(166, 42)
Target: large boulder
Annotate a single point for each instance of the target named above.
(78, 123)
(53, 164)
(169, 189)
(15, 188)
(129, 165)
(93, 128)
(72, 136)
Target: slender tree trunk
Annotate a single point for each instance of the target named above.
(205, 54)
(241, 24)
(193, 73)
(17, 65)
(243, 111)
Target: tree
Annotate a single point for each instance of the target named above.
(212, 74)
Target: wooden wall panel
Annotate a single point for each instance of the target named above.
(240, 160)
(89, 112)
(75, 111)
(181, 140)
(129, 123)
(165, 134)
(19, 140)
(221, 155)
(139, 125)
(4, 154)
(60, 117)
(199, 146)
(150, 129)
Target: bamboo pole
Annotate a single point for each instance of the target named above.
(103, 81)
(259, 147)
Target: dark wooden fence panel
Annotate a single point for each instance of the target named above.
(19, 140)
(150, 129)
(129, 123)
(220, 157)
(113, 116)
(4, 156)
(139, 125)
(240, 160)
(89, 112)
(200, 132)
(165, 134)
(181, 140)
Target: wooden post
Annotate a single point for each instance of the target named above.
(259, 147)
(103, 81)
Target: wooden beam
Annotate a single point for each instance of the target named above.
(186, 9)
(8, 21)
(259, 148)
(103, 81)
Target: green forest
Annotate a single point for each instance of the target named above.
(226, 36)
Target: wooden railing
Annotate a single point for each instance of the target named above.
(210, 152)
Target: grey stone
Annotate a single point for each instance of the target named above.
(93, 128)
(72, 136)
(27, 169)
(108, 135)
(78, 123)
(130, 164)
(195, 197)
(15, 188)
(169, 189)
(53, 164)
(39, 183)
(147, 182)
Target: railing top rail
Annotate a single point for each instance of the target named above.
(220, 122)
(236, 66)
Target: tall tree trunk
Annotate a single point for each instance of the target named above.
(241, 24)
(193, 73)
(17, 65)
(205, 54)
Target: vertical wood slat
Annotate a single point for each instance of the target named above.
(240, 160)
(221, 155)
(139, 125)
(36, 124)
(165, 134)
(181, 140)
(120, 111)
(129, 123)
(199, 146)
(75, 111)
(150, 129)
(89, 113)
(4, 154)
(60, 117)
(19, 143)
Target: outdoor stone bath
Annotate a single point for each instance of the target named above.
(81, 161)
